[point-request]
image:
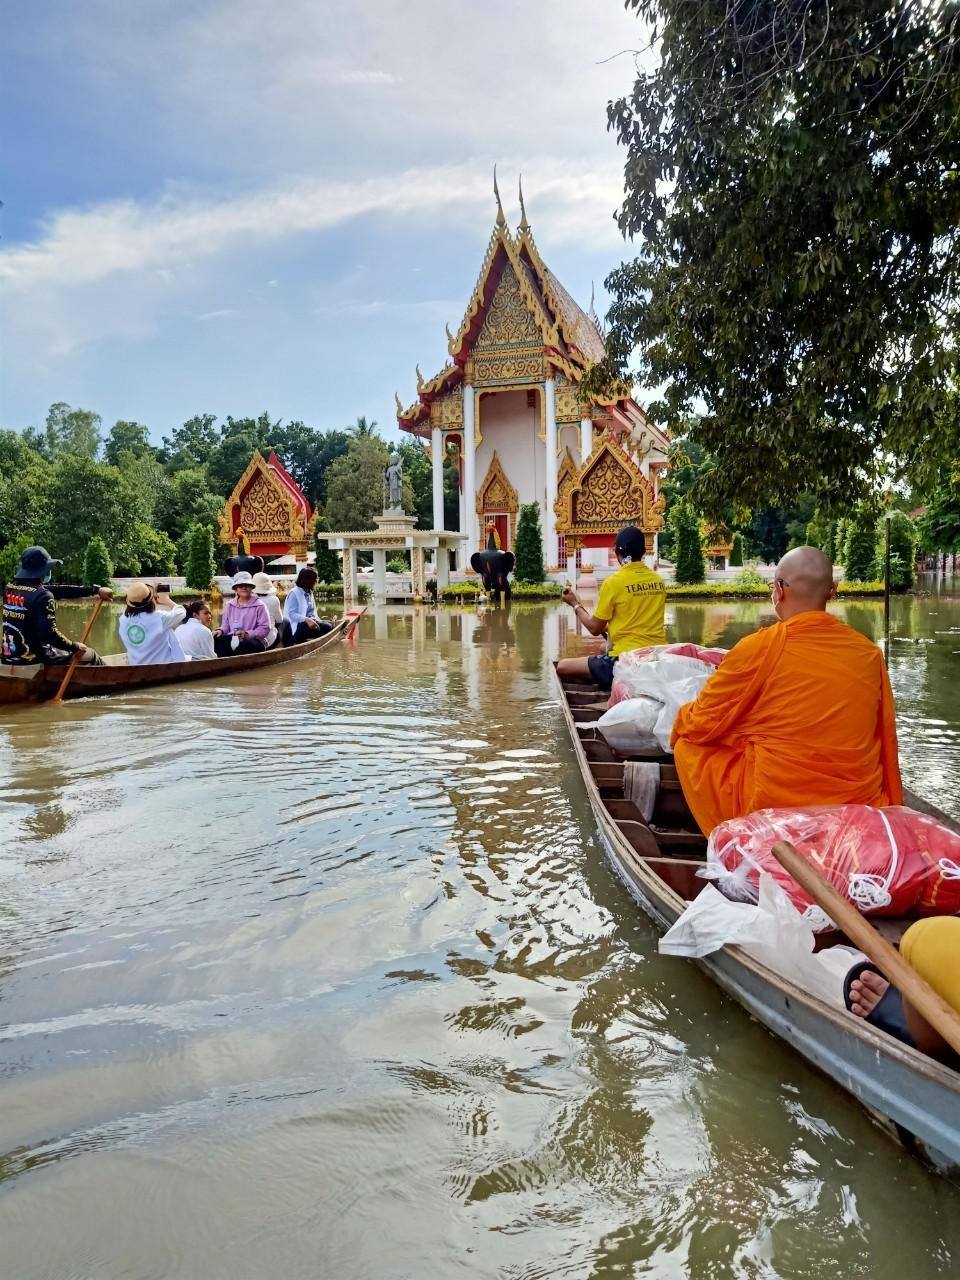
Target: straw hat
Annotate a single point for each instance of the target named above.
(139, 593)
(242, 579)
(263, 584)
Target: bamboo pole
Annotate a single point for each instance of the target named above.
(74, 661)
(863, 935)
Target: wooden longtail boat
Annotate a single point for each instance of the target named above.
(37, 683)
(911, 1095)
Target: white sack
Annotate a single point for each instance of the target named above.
(628, 727)
(669, 680)
(772, 931)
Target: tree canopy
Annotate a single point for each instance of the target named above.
(792, 178)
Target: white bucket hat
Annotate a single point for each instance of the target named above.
(242, 579)
(263, 584)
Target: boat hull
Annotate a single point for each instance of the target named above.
(37, 684)
(915, 1098)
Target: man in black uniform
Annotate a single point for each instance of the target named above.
(30, 632)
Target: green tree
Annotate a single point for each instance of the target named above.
(821, 531)
(187, 500)
(191, 445)
(307, 453)
(903, 550)
(10, 558)
(126, 437)
(860, 548)
(88, 499)
(97, 566)
(688, 563)
(149, 551)
(940, 523)
(355, 484)
(327, 562)
(362, 428)
(24, 489)
(736, 551)
(791, 178)
(75, 431)
(200, 568)
(529, 548)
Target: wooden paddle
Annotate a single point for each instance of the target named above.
(74, 661)
(863, 935)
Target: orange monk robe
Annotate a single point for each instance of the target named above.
(797, 714)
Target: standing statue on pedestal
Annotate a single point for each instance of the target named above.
(393, 484)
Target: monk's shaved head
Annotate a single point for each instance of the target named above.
(808, 575)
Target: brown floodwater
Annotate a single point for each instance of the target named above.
(321, 973)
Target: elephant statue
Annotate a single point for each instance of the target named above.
(493, 565)
(243, 564)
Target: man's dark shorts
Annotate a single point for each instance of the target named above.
(601, 669)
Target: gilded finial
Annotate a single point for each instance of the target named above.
(420, 382)
(451, 340)
(501, 220)
(399, 405)
(524, 224)
(593, 298)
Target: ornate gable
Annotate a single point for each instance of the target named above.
(263, 508)
(508, 319)
(496, 493)
(610, 491)
(566, 479)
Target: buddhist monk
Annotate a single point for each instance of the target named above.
(800, 713)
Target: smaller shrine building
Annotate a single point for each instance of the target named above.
(267, 514)
(508, 406)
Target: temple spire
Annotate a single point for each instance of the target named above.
(501, 220)
(524, 224)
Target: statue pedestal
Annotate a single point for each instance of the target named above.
(394, 522)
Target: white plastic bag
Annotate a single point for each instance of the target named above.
(669, 680)
(629, 726)
(772, 931)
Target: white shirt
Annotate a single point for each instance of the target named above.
(299, 606)
(196, 640)
(272, 603)
(149, 637)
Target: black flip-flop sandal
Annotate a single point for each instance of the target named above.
(887, 1014)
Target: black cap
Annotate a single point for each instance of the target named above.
(35, 561)
(631, 542)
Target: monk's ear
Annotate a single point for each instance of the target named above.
(832, 593)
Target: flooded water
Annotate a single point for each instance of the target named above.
(320, 973)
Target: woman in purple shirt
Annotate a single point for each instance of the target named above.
(245, 623)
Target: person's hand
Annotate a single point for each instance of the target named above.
(81, 649)
(569, 596)
(218, 632)
(104, 593)
(312, 624)
(241, 635)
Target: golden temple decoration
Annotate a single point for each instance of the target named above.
(420, 382)
(524, 224)
(609, 491)
(447, 410)
(717, 540)
(496, 493)
(268, 513)
(566, 479)
(508, 319)
(501, 220)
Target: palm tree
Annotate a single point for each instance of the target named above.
(363, 428)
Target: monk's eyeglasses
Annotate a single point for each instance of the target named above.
(779, 582)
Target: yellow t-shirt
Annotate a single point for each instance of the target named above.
(632, 601)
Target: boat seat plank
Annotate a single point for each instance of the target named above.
(680, 874)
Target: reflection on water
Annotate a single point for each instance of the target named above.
(320, 972)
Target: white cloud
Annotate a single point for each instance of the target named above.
(82, 247)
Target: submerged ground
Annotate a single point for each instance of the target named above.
(321, 973)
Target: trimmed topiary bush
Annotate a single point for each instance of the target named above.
(689, 565)
(97, 568)
(736, 551)
(859, 553)
(529, 552)
(201, 567)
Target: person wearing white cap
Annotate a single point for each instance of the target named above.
(245, 623)
(267, 592)
(147, 626)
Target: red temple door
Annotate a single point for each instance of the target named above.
(501, 519)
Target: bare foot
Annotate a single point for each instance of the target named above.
(866, 992)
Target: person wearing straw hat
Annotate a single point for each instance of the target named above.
(245, 623)
(147, 626)
(30, 631)
(265, 590)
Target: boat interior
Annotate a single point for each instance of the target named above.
(671, 844)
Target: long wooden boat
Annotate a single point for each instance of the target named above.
(38, 683)
(914, 1097)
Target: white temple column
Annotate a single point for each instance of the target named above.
(469, 472)
(586, 439)
(436, 451)
(380, 575)
(550, 405)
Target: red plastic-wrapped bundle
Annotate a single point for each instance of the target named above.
(622, 688)
(886, 862)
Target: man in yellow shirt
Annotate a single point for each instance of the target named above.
(629, 610)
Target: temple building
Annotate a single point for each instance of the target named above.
(508, 404)
(267, 514)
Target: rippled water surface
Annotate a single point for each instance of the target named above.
(321, 973)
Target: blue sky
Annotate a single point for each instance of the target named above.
(228, 206)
